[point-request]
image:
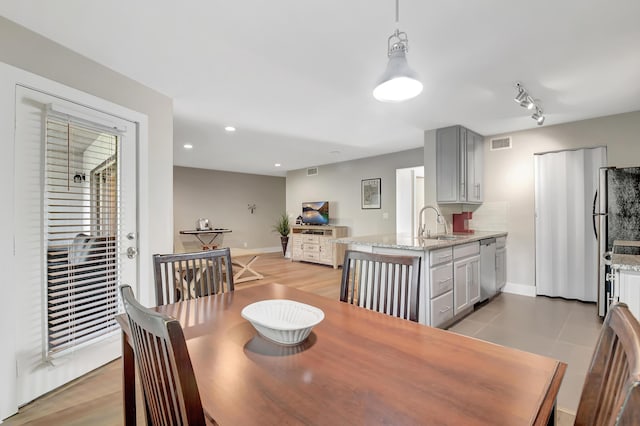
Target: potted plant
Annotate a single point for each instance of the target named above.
(283, 227)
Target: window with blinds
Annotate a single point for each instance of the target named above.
(81, 203)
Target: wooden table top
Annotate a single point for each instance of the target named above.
(357, 367)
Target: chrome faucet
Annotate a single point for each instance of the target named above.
(439, 219)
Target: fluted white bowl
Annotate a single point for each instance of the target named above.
(283, 321)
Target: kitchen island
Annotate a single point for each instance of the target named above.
(449, 269)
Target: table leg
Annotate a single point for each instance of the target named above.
(246, 268)
(128, 382)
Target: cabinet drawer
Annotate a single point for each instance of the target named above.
(312, 256)
(311, 247)
(441, 279)
(439, 256)
(313, 239)
(466, 250)
(441, 309)
(501, 242)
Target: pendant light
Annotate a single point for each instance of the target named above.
(399, 82)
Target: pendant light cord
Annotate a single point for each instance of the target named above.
(397, 12)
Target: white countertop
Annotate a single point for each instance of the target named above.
(404, 241)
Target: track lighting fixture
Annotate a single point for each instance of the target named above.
(526, 101)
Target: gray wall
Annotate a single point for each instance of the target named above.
(223, 197)
(509, 178)
(339, 183)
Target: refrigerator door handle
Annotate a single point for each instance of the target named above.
(593, 216)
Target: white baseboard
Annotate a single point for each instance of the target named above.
(521, 289)
(270, 249)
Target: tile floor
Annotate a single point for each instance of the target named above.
(557, 328)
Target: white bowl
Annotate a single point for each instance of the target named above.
(283, 321)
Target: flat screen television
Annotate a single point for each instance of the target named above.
(315, 213)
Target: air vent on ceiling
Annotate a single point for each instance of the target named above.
(312, 171)
(501, 143)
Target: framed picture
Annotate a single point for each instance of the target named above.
(371, 193)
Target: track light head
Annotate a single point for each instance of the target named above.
(522, 94)
(538, 116)
(528, 103)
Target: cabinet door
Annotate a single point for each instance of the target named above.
(462, 164)
(466, 283)
(447, 155)
(474, 152)
(326, 250)
(473, 276)
(296, 244)
(460, 287)
(501, 267)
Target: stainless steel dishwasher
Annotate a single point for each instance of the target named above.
(487, 268)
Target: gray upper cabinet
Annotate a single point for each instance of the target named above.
(459, 171)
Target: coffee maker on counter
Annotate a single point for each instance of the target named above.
(462, 222)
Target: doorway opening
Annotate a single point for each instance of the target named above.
(409, 199)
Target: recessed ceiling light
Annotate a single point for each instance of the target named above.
(230, 129)
(187, 146)
(277, 164)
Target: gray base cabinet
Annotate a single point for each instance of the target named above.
(449, 280)
(459, 166)
(466, 277)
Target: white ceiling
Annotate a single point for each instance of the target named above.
(295, 76)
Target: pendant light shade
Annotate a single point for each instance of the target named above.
(399, 82)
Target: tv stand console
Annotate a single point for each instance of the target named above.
(311, 243)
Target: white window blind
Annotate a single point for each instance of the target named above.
(81, 201)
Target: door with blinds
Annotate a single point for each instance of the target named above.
(76, 237)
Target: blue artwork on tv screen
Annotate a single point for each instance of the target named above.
(315, 213)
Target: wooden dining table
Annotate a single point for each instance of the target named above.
(357, 367)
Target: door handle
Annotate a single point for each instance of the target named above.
(593, 216)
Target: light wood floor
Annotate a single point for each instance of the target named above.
(96, 398)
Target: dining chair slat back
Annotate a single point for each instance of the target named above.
(164, 366)
(611, 391)
(183, 276)
(382, 282)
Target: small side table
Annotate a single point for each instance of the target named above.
(209, 236)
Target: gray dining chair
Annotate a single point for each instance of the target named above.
(382, 282)
(611, 391)
(183, 276)
(164, 366)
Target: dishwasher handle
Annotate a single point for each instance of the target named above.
(487, 241)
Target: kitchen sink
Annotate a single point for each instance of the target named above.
(444, 237)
